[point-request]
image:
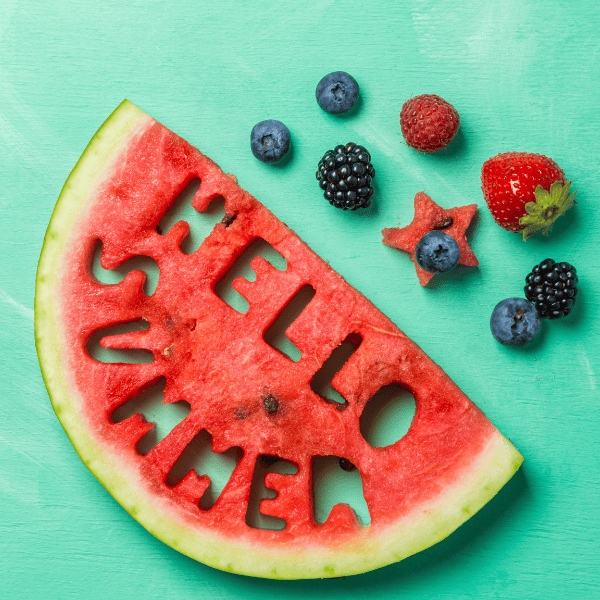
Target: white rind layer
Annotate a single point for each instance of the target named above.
(376, 547)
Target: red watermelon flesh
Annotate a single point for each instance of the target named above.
(429, 216)
(243, 391)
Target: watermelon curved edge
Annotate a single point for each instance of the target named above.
(422, 528)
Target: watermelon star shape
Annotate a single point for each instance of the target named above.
(429, 216)
(242, 392)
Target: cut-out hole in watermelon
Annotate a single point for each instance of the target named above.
(199, 458)
(163, 417)
(252, 398)
(103, 344)
(200, 225)
(137, 263)
(387, 416)
(275, 334)
(321, 381)
(264, 465)
(337, 487)
(243, 271)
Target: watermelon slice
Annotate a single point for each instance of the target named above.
(428, 217)
(245, 393)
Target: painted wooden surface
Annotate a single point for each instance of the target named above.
(523, 74)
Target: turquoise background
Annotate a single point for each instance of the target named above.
(523, 74)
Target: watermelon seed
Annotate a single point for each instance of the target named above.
(268, 459)
(346, 464)
(228, 219)
(444, 224)
(241, 413)
(271, 404)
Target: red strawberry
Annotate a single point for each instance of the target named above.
(428, 122)
(525, 192)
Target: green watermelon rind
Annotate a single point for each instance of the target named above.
(374, 548)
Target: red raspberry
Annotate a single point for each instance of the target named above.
(428, 122)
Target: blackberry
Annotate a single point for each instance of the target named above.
(552, 288)
(345, 175)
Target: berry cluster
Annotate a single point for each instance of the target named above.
(525, 192)
(550, 290)
(345, 174)
(551, 287)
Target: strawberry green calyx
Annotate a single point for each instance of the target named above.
(548, 206)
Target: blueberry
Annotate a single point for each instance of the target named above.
(437, 252)
(270, 141)
(515, 321)
(337, 92)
